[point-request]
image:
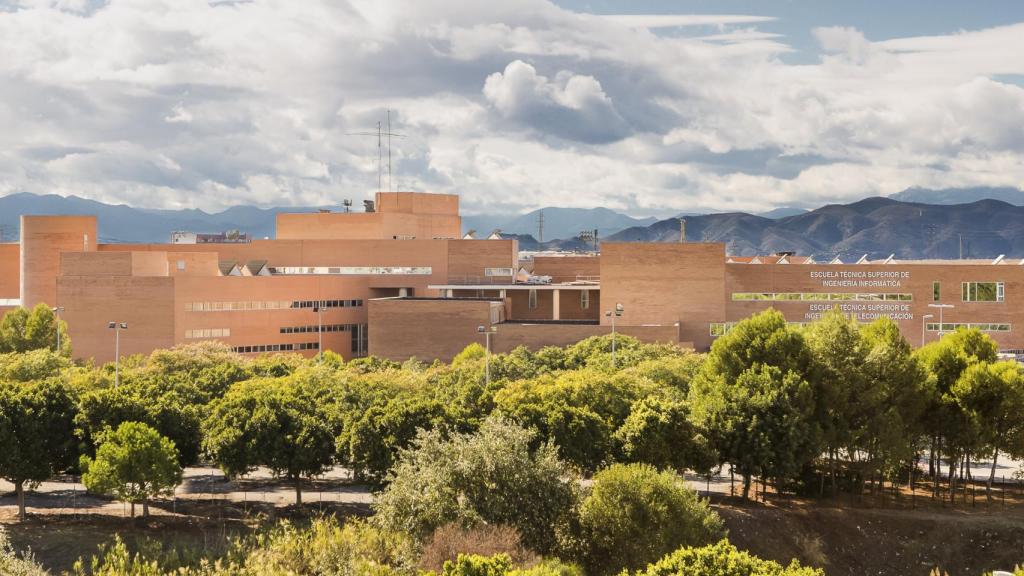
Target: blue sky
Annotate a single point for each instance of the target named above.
(878, 19)
(648, 107)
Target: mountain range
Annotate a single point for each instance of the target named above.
(876, 227)
(914, 223)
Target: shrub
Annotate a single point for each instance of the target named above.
(722, 559)
(489, 477)
(635, 515)
(328, 548)
(502, 565)
(13, 564)
(451, 540)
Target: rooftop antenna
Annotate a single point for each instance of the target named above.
(540, 227)
(682, 230)
(347, 203)
(380, 134)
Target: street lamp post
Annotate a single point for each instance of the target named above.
(923, 318)
(487, 358)
(942, 308)
(56, 312)
(613, 314)
(117, 327)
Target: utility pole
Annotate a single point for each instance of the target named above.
(682, 230)
(961, 246)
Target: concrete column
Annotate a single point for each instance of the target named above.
(555, 305)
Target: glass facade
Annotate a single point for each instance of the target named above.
(350, 270)
(820, 297)
(983, 326)
(983, 291)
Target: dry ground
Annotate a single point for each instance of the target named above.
(882, 535)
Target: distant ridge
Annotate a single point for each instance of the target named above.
(873, 226)
(877, 227)
(121, 223)
(948, 196)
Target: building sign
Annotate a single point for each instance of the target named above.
(860, 278)
(863, 311)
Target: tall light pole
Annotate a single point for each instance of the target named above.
(56, 312)
(923, 318)
(613, 314)
(942, 308)
(117, 327)
(319, 330)
(487, 359)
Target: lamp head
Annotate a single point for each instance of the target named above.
(111, 325)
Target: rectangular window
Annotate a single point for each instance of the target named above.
(819, 296)
(533, 298)
(983, 326)
(982, 291)
(181, 264)
(936, 292)
(585, 299)
(497, 271)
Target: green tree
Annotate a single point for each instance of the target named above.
(12, 330)
(490, 477)
(36, 433)
(33, 365)
(634, 515)
(371, 444)
(171, 415)
(134, 464)
(886, 416)
(722, 559)
(658, 432)
(945, 361)
(992, 395)
(22, 330)
(839, 353)
(277, 424)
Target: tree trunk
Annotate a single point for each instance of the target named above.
(931, 459)
(298, 492)
(19, 487)
(952, 478)
(133, 508)
(145, 507)
(992, 474)
(746, 486)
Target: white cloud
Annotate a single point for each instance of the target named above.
(679, 20)
(520, 104)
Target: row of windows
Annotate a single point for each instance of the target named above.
(721, 328)
(327, 303)
(324, 328)
(351, 270)
(819, 296)
(497, 271)
(984, 327)
(208, 333)
(983, 291)
(267, 305)
(276, 348)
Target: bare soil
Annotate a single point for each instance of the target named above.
(860, 536)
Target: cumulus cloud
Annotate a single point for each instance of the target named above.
(570, 106)
(191, 103)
